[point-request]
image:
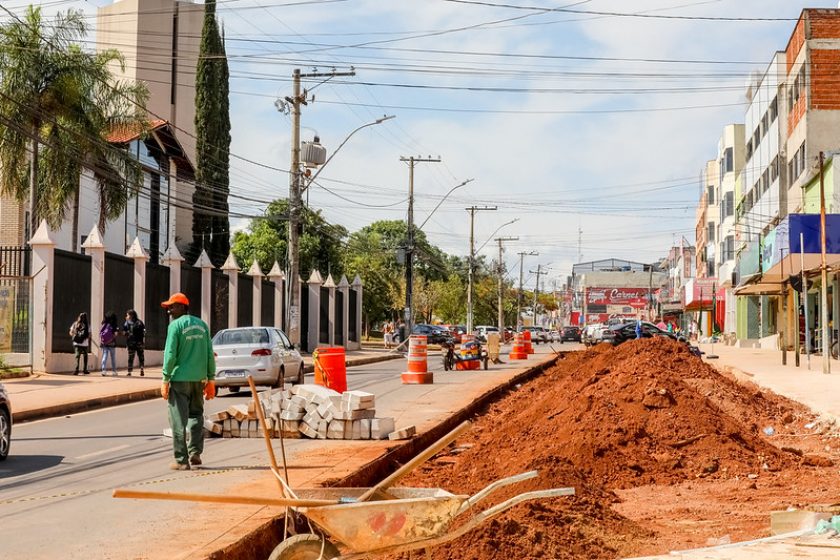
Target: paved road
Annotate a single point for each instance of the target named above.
(55, 489)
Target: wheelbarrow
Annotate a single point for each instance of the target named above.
(370, 521)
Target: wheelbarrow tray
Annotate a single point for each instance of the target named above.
(415, 514)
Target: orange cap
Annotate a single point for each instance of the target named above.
(176, 298)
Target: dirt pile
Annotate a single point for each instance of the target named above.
(647, 412)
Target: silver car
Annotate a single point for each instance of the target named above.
(264, 353)
(5, 423)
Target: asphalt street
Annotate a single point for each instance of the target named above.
(55, 489)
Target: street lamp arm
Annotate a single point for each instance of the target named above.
(494, 233)
(332, 155)
(442, 199)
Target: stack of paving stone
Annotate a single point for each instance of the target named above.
(305, 411)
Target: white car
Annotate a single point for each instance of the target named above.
(264, 353)
(481, 332)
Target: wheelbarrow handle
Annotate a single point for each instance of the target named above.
(479, 496)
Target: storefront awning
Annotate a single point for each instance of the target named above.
(699, 293)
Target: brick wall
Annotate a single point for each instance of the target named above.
(825, 67)
(798, 111)
(11, 222)
(823, 24)
(797, 39)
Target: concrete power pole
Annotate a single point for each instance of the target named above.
(409, 249)
(297, 99)
(472, 210)
(539, 273)
(521, 278)
(501, 240)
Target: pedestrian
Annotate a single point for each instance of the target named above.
(108, 342)
(189, 370)
(388, 334)
(135, 333)
(80, 333)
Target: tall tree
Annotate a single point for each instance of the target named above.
(57, 104)
(211, 226)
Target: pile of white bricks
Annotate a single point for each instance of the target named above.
(306, 411)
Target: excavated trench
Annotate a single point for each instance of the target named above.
(664, 452)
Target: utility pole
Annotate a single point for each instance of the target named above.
(409, 249)
(538, 272)
(501, 240)
(297, 99)
(519, 294)
(472, 210)
(826, 337)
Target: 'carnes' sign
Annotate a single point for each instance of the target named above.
(634, 297)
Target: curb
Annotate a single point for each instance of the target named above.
(146, 394)
(260, 542)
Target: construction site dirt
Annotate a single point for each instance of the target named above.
(664, 451)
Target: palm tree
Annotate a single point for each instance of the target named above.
(57, 103)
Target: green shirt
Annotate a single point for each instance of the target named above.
(188, 355)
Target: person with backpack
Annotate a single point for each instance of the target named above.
(135, 333)
(80, 334)
(108, 342)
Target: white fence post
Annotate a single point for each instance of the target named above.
(276, 275)
(344, 288)
(330, 285)
(314, 311)
(206, 266)
(359, 289)
(256, 294)
(43, 271)
(173, 259)
(231, 268)
(140, 257)
(96, 249)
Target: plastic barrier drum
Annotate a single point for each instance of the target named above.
(330, 367)
(529, 348)
(469, 349)
(418, 365)
(519, 351)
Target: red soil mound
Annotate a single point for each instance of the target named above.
(647, 412)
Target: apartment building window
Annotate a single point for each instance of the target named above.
(710, 194)
(797, 88)
(797, 164)
(765, 179)
(765, 124)
(757, 136)
(774, 169)
(726, 163)
(749, 203)
(749, 149)
(727, 249)
(774, 110)
(710, 232)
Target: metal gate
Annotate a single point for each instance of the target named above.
(15, 305)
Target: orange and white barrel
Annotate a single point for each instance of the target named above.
(529, 348)
(418, 363)
(519, 352)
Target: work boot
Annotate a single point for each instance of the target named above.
(129, 373)
(142, 373)
(76, 372)
(180, 466)
(195, 459)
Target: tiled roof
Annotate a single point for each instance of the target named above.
(125, 134)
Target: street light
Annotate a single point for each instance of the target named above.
(323, 165)
(293, 310)
(444, 198)
(513, 221)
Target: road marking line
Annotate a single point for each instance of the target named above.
(95, 453)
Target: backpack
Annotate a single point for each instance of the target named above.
(79, 332)
(107, 334)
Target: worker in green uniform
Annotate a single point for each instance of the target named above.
(189, 370)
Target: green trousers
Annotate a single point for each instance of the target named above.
(186, 414)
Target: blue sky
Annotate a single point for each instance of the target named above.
(561, 144)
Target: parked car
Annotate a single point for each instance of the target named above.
(264, 353)
(555, 336)
(538, 334)
(570, 333)
(481, 332)
(435, 334)
(592, 334)
(5, 423)
(623, 332)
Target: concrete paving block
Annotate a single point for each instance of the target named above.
(311, 408)
(212, 427)
(235, 428)
(335, 429)
(238, 411)
(322, 429)
(291, 415)
(381, 428)
(289, 425)
(312, 392)
(357, 430)
(218, 416)
(297, 402)
(328, 416)
(308, 430)
(364, 426)
(312, 418)
(403, 433)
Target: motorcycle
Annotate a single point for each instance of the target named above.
(451, 358)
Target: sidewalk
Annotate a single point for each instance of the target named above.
(812, 388)
(45, 395)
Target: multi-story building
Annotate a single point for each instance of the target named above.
(160, 40)
(706, 225)
(731, 151)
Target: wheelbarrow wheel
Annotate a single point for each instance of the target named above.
(305, 546)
